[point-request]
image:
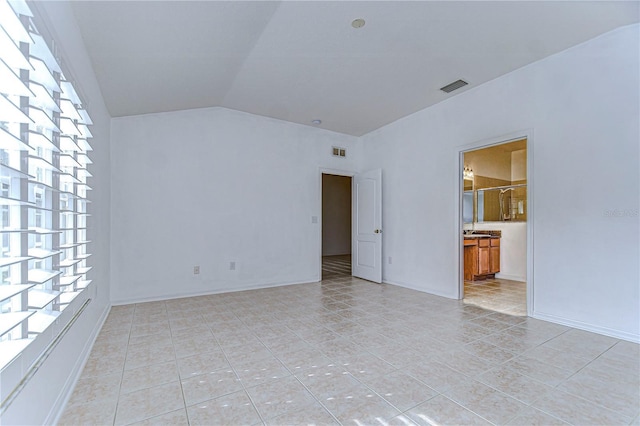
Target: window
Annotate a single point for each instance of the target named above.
(43, 186)
(4, 156)
(5, 217)
(6, 244)
(6, 275)
(4, 189)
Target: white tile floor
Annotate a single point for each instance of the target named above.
(346, 351)
(497, 294)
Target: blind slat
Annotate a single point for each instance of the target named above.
(12, 25)
(39, 49)
(10, 83)
(11, 53)
(42, 75)
(12, 113)
(42, 194)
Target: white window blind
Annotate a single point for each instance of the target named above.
(43, 184)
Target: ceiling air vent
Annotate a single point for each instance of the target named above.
(454, 86)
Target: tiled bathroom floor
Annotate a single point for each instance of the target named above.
(346, 351)
(497, 294)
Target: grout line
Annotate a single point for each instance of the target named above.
(326, 314)
(317, 400)
(115, 413)
(244, 388)
(175, 360)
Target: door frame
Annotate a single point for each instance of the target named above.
(336, 172)
(459, 190)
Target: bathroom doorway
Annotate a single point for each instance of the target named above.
(495, 227)
(336, 226)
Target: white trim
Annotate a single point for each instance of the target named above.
(335, 172)
(458, 190)
(206, 293)
(530, 222)
(421, 290)
(511, 277)
(67, 390)
(623, 335)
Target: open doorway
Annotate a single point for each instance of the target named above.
(495, 227)
(336, 226)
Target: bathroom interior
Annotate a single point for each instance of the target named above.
(494, 213)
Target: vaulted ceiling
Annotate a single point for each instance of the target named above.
(303, 60)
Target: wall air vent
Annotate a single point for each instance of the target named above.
(339, 152)
(454, 86)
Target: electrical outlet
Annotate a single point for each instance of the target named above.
(196, 270)
(232, 266)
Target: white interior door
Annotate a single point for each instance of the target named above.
(366, 257)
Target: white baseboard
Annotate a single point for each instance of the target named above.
(538, 315)
(72, 380)
(618, 334)
(420, 289)
(209, 292)
(511, 277)
(623, 335)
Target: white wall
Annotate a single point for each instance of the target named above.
(336, 215)
(212, 186)
(41, 401)
(582, 107)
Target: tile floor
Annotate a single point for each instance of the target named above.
(346, 351)
(496, 294)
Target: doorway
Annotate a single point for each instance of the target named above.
(336, 226)
(495, 227)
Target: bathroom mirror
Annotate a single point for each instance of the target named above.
(467, 207)
(495, 183)
(467, 201)
(502, 204)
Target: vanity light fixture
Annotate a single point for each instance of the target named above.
(467, 173)
(358, 23)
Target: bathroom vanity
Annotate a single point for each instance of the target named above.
(481, 256)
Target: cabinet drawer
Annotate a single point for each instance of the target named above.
(483, 242)
(495, 242)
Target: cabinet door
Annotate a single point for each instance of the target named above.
(483, 260)
(494, 260)
(470, 262)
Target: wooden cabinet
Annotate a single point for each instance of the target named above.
(484, 252)
(494, 256)
(481, 258)
(470, 258)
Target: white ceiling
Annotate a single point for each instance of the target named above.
(302, 60)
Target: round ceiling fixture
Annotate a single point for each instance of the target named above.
(316, 122)
(358, 23)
